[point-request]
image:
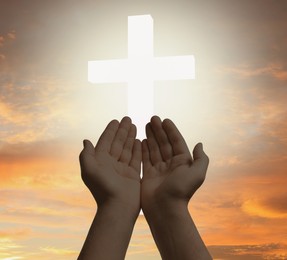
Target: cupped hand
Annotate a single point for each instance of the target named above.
(111, 169)
(171, 175)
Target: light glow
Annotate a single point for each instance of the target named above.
(140, 70)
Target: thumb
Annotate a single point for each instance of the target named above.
(199, 155)
(88, 146)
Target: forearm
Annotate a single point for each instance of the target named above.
(176, 235)
(109, 235)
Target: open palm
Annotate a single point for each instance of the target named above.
(111, 170)
(170, 174)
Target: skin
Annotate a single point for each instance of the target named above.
(111, 171)
(170, 177)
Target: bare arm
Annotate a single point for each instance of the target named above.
(111, 171)
(171, 177)
(109, 234)
(176, 235)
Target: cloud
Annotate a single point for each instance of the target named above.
(39, 165)
(31, 110)
(249, 252)
(277, 203)
(5, 42)
(246, 199)
(276, 70)
(59, 251)
(39, 217)
(15, 234)
(40, 109)
(9, 250)
(55, 149)
(13, 258)
(274, 207)
(1, 40)
(9, 114)
(11, 35)
(253, 120)
(43, 203)
(7, 38)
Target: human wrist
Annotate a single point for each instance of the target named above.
(166, 211)
(175, 233)
(118, 210)
(111, 222)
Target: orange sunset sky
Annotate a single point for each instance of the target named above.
(236, 106)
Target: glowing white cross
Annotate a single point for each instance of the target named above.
(141, 69)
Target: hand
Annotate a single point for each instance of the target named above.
(111, 170)
(170, 174)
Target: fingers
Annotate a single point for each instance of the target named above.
(120, 137)
(119, 140)
(153, 147)
(136, 156)
(175, 138)
(164, 140)
(126, 153)
(145, 156)
(106, 139)
(161, 138)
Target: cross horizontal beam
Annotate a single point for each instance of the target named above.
(159, 68)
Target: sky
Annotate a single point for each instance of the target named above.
(236, 106)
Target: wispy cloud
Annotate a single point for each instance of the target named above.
(275, 70)
(270, 207)
(9, 250)
(7, 38)
(59, 251)
(249, 252)
(19, 233)
(31, 111)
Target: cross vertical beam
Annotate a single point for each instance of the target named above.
(140, 81)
